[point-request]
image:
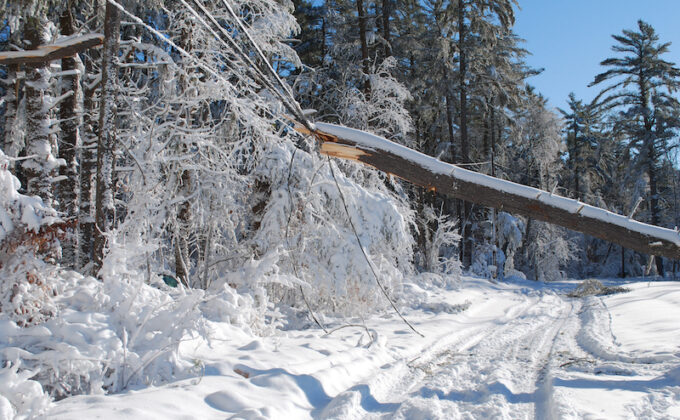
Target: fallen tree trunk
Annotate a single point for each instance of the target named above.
(445, 178)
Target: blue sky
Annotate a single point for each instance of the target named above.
(569, 38)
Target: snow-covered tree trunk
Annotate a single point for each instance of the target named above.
(184, 176)
(40, 167)
(14, 127)
(365, 65)
(88, 161)
(106, 143)
(466, 246)
(70, 119)
(386, 27)
(504, 195)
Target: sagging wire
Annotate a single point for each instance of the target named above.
(295, 109)
(294, 260)
(298, 110)
(363, 251)
(298, 113)
(293, 106)
(186, 54)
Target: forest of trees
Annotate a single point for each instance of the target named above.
(171, 142)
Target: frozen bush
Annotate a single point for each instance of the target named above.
(310, 221)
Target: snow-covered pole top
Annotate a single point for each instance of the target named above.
(446, 178)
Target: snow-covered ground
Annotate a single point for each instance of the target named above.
(513, 350)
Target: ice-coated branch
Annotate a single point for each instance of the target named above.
(65, 48)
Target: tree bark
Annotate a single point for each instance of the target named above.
(654, 204)
(449, 124)
(577, 163)
(38, 169)
(386, 27)
(484, 190)
(364, 46)
(13, 141)
(466, 246)
(106, 142)
(70, 119)
(88, 163)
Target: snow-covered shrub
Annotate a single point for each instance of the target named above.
(546, 251)
(509, 234)
(63, 334)
(20, 396)
(485, 263)
(312, 224)
(241, 297)
(104, 337)
(440, 253)
(26, 239)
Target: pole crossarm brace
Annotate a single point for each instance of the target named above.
(435, 175)
(63, 48)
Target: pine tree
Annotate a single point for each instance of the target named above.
(478, 23)
(642, 89)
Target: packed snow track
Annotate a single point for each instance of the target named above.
(517, 350)
(498, 368)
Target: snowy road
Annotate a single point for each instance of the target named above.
(520, 350)
(493, 369)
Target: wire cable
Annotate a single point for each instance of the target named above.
(363, 251)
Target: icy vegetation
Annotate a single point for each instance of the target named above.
(65, 334)
(174, 245)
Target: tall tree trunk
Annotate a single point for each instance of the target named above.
(494, 216)
(449, 124)
(185, 233)
(466, 257)
(386, 27)
(39, 169)
(364, 46)
(576, 164)
(462, 74)
(452, 203)
(88, 162)
(70, 116)
(623, 262)
(654, 204)
(13, 141)
(323, 40)
(106, 142)
(648, 124)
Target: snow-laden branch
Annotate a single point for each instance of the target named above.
(63, 48)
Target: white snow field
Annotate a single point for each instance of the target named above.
(514, 350)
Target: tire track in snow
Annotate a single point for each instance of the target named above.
(498, 368)
(592, 358)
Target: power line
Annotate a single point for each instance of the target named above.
(363, 251)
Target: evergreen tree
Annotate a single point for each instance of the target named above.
(641, 90)
(478, 23)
